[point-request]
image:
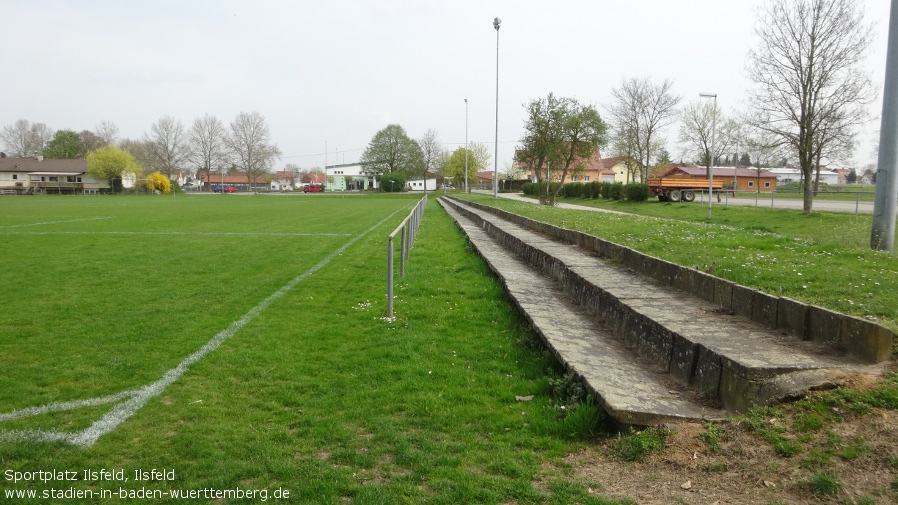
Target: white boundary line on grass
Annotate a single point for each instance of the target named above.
(56, 222)
(135, 399)
(252, 234)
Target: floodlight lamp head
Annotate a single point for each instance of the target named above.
(707, 95)
(496, 23)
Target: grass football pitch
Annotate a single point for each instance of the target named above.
(234, 349)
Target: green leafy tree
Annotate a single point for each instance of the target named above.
(478, 159)
(65, 144)
(111, 163)
(560, 134)
(391, 150)
(393, 182)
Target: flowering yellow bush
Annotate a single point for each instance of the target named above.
(158, 182)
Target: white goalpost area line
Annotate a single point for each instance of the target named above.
(130, 401)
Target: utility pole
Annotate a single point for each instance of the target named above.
(883, 234)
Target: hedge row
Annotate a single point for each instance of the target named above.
(607, 190)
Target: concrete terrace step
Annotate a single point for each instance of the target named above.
(651, 353)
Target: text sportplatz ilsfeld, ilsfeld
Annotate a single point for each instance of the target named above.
(117, 484)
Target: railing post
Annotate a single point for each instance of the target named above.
(390, 276)
(402, 254)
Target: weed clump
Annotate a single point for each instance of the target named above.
(824, 484)
(579, 416)
(637, 445)
(713, 436)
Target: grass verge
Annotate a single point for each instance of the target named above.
(823, 258)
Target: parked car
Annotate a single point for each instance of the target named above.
(311, 188)
(227, 189)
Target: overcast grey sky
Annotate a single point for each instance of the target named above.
(337, 71)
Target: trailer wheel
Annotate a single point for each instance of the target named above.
(688, 196)
(674, 195)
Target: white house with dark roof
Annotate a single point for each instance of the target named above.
(49, 176)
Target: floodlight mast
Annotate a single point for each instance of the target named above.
(496, 23)
(882, 236)
(466, 145)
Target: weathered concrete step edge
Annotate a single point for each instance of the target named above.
(629, 391)
(866, 340)
(737, 368)
(651, 317)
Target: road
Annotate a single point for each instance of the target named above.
(798, 204)
(765, 202)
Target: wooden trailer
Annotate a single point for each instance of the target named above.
(679, 189)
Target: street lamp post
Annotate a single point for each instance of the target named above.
(466, 145)
(496, 23)
(711, 160)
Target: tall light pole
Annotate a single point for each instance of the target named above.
(711, 160)
(466, 145)
(496, 23)
(882, 236)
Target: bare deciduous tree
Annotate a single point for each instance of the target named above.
(140, 150)
(764, 149)
(107, 132)
(168, 145)
(90, 141)
(699, 129)
(809, 88)
(640, 112)
(431, 148)
(249, 144)
(207, 148)
(23, 139)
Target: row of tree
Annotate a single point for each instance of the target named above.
(391, 150)
(207, 145)
(24, 139)
(807, 99)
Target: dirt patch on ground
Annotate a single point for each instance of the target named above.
(863, 455)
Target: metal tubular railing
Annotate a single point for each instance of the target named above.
(408, 228)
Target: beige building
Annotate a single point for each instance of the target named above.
(48, 176)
